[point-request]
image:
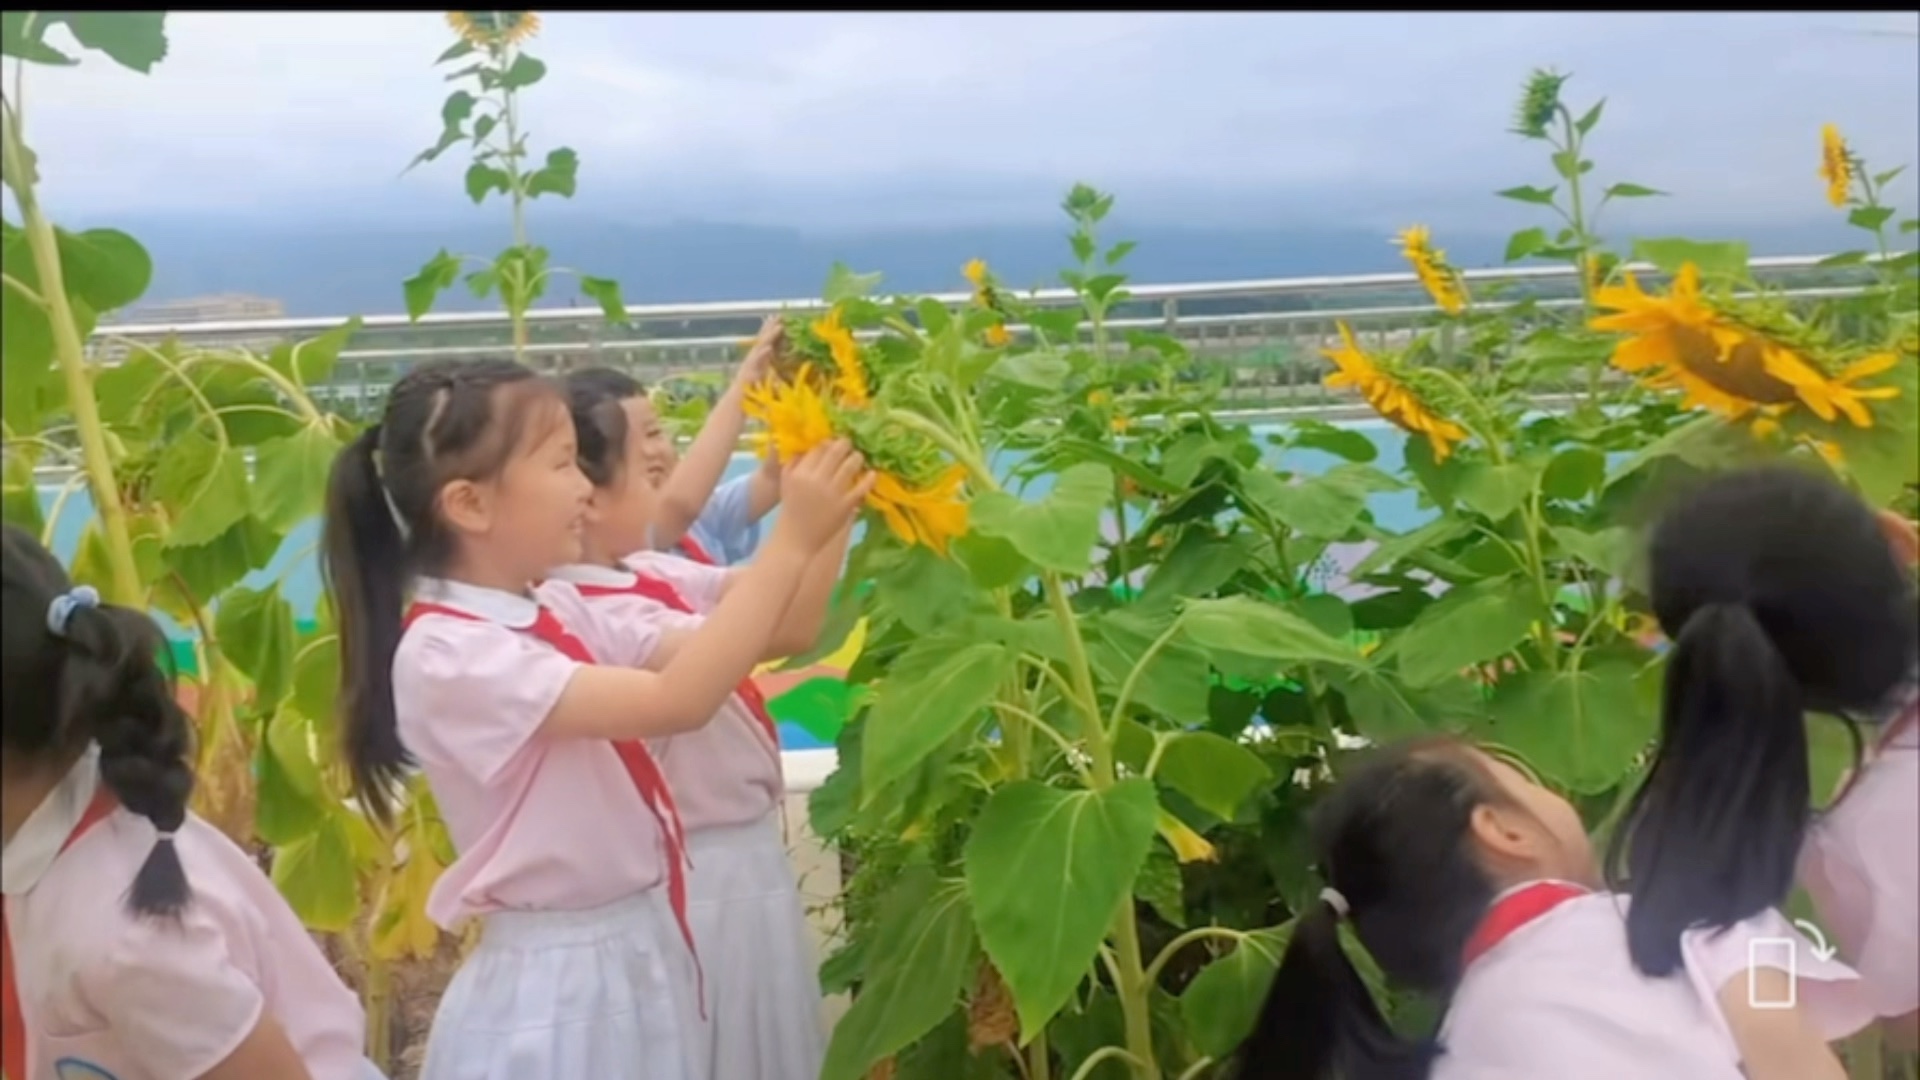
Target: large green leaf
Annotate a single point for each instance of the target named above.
(1383, 708)
(1196, 565)
(291, 476)
(920, 956)
(1885, 458)
(1048, 870)
(1216, 773)
(1242, 625)
(1324, 506)
(317, 875)
(1221, 1004)
(132, 39)
(1174, 683)
(1467, 626)
(291, 797)
(204, 486)
(310, 362)
(1495, 490)
(927, 695)
(255, 630)
(1582, 726)
(103, 269)
(1057, 532)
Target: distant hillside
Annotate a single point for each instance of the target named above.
(321, 269)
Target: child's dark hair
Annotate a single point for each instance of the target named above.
(1393, 840)
(596, 397)
(444, 421)
(1781, 596)
(77, 670)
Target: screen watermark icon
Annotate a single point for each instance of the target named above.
(1782, 954)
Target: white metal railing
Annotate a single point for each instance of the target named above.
(1239, 317)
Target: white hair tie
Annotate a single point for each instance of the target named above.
(60, 610)
(1336, 900)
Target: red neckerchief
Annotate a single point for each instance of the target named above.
(13, 1025)
(660, 592)
(691, 549)
(1515, 910)
(640, 766)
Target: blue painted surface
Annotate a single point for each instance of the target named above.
(297, 571)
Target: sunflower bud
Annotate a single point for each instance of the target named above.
(1539, 101)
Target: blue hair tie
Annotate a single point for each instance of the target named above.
(61, 610)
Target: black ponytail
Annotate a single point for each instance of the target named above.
(1394, 840)
(1782, 596)
(77, 671)
(363, 562)
(444, 421)
(1712, 836)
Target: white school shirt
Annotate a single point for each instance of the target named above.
(107, 992)
(728, 772)
(1559, 997)
(539, 823)
(1861, 866)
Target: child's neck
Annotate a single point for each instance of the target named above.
(487, 575)
(21, 794)
(595, 553)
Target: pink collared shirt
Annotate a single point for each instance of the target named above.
(539, 823)
(727, 773)
(1559, 997)
(1861, 866)
(153, 998)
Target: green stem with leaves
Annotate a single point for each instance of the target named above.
(123, 586)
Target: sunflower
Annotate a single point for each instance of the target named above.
(795, 413)
(489, 29)
(1836, 165)
(1718, 363)
(986, 296)
(932, 514)
(1392, 398)
(849, 374)
(1442, 281)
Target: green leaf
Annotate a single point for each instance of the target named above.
(1590, 117)
(436, 276)
(205, 486)
(921, 956)
(522, 73)
(1537, 195)
(1060, 530)
(559, 176)
(104, 267)
(1631, 191)
(1243, 625)
(1469, 625)
(1383, 708)
(1582, 726)
(1222, 1002)
(317, 875)
(1323, 507)
(291, 799)
(455, 51)
(1870, 218)
(1574, 474)
(1161, 885)
(1721, 259)
(1033, 370)
(1344, 443)
(928, 694)
(255, 631)
(1525, 242)
(132, 39)
(1610, 550)
(1495, 490)
(1048, 870)
(291, 476)
(1174, 684)
(1196, 565)
(1217, 774)
(482, 179)
(606, 293)
(844, 284)
(311, 362)
(1885, 458)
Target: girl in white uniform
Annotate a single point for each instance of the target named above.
(1783, 596)
(138, 942)
(761, 976)
(1465, 880)
(527, 714)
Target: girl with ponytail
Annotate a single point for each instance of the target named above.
(1784, 595)
(1470, 883)
(138, 941)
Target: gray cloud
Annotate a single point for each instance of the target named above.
(954, 116)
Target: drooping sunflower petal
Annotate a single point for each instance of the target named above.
(1392, 399)
(1836, 165)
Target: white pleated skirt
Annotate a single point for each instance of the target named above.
(603, 994)
(761, 974)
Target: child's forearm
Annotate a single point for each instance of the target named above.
(763, 489)
(691, 484)
(806, 614)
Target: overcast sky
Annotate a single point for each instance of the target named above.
(746, 116)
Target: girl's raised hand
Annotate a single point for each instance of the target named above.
(821, 492)
(760, 355)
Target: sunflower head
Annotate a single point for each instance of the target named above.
(1836, 165)
(1539, 101)
(1442, 282)
(494, 29)
(1391, 395)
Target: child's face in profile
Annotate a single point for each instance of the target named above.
(1546, 832)
(655, 446)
